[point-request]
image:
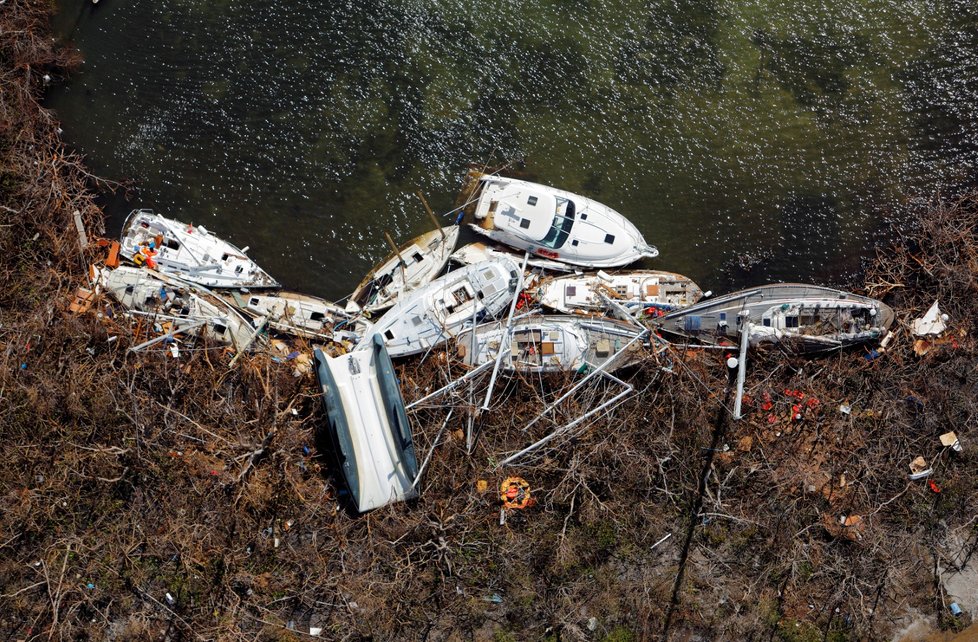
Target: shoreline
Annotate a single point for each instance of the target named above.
(133, 503)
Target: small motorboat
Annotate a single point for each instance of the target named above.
(177, 304)
(552, 223)
(414, 264)
(292, 313)
(368, 425)
(440, 310)
(805, 318)
(189, 253)
(636, 291)
(554, 343)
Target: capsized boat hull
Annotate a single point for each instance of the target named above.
(176, 301)
(477, 252)
(635, 290)
(442, 309)
(553, 223)
(805, 318)
(368, 425)
(416, 263)
(190, 253)
(553, 343)
(292, 313)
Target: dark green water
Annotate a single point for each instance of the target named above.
(779, 129)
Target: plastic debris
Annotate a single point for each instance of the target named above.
(515, 493)
(950, 440)
(845, 409)
(933, 486)
(932, 324)
(955, 609)
(919, 469)
(315, 630)
(482, 486)
(170, 599)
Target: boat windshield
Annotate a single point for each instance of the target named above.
(561, 226)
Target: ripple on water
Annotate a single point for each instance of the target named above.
(762, 139)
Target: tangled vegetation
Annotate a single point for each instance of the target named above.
(147, 497)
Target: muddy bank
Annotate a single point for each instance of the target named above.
(146, 497)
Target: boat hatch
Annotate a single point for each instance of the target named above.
(317, 316)
(416, 320)
(173, 244)
(525, 223)
(458, 297)
(254, 301)
(224, 257)
(531, 200)
(570, 290)
(220, 328)
(791, 322)
(489, 290)
(609, 239)
(389, 334)
(418, 257)
(692, 323)
(767, 322)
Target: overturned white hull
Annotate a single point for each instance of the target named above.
(635, 291)
(189, 253)
(415, 264)
(477, 252)
(368, 425)
(446, 306)
(169, 300)
(555, 224)
(553, 343)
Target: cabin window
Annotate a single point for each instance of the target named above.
(317, 316)
(767, 323)
(253, 301)
(621, 289)
(791, 322)
(173, 244)
(609, 239)
(723, 316)
(220, 328)
(531, 200)
(561, 226)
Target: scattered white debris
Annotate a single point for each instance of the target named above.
(932, 324)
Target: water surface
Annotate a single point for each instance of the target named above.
(771, 134)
